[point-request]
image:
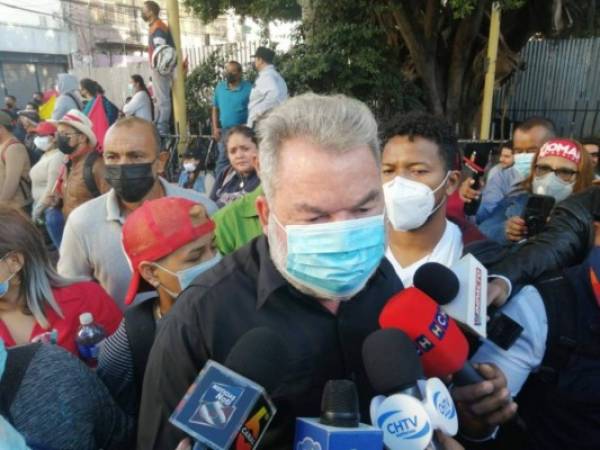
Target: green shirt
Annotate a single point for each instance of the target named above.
(237, 223)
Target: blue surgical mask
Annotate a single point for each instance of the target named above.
(335, 259)
(523, 163)
(5, 285)
(186, 276)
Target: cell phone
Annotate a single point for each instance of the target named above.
(536, 213)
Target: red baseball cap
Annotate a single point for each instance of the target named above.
(45, 129)
(158, 228)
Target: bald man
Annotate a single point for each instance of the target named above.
(91, 246)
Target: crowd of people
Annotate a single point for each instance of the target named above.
(313, 218)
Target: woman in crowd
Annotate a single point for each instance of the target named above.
(52, 401)
(560, 168)
(34, 300)
(169, 242)
(241, 177)
(15, 185)
(90, 90)
(140, 104)
(193, 175)
(45, 172)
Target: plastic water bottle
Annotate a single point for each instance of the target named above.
(89, 338)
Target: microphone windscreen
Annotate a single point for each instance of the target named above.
(339, 404)
(442, 346)
(391, 361)
(437, 281)
(261, 356)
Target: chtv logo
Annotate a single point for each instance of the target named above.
(404, 427)
(444, 405)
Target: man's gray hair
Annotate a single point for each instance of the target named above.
(335, 123)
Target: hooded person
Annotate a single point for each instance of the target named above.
(52, 401)
(68, 97)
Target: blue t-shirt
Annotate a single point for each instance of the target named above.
(232, 103)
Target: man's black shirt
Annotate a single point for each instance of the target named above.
(246, 291)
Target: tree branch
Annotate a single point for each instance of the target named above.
(430, 21)
(462, 57)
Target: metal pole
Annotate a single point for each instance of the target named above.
(490, 75)
(179, 105)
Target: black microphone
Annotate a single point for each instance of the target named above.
(437, 281)
(339, 426)
(392, 363)
(339, 404)
(407, 416)
(227, 407)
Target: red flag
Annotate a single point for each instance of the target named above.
(99, 120)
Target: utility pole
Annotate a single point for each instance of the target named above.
(179, 105)
(490, 75)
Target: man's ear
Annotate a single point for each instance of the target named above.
(148, 273)
(163, 158)
(262, 208)
(453, 182)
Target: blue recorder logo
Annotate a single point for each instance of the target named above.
(217, 405)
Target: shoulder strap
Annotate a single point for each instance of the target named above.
(18, 359)
(141, 328)
(561, 310)
(68, 94)
(88, 173)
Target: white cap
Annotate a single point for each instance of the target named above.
(86, 318)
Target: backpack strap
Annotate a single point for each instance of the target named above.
(18, 359)
(561, 310)
(88, 173)
(140, 325)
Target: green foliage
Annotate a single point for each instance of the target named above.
(266, 10)
(349, 56)
(199, 88)
(463, 8)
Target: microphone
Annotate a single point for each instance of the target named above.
(437, 281)
(339, 426)
(441, 345)
(464, 300)
(227, 406)
(414, 407)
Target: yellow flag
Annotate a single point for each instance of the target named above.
(47, 108)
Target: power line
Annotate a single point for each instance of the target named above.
(20, 8)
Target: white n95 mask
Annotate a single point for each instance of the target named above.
(410, 203)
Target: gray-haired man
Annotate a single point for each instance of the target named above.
(323, 203)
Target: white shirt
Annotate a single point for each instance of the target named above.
(448, 251)
(139, 106)
(91, 246)
(269, 91)
(526, 354)
(43, 177)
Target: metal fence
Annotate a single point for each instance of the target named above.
(238, 51)
(561, 81)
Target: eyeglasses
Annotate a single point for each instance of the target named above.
(562, 173)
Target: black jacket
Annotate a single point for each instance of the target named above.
(566, 240)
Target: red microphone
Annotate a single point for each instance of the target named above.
(440, 343)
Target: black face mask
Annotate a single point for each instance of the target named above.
(62, 142)
(145, 17)
(131, 182)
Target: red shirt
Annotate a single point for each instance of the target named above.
(74, 300)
